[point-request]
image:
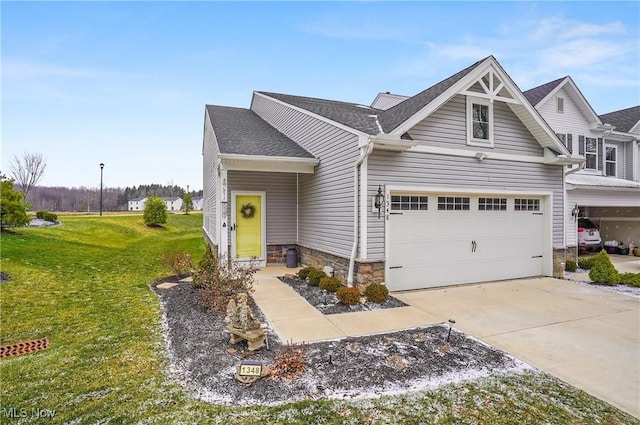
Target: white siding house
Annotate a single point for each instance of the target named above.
(198, 203)
(136, 204)
(469, 176)
(173, 203)
(606, 188)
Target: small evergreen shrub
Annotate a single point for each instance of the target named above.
(314, 277)
(571, 266)
(348, 296)
(586, 262)
(631, 279)
(603, 270)
(47, 216)
(376, 293)
(331, 284)
(303, 273)
(155, 212)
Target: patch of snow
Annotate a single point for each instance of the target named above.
(593, 180)
(578, 275)
(38, 222)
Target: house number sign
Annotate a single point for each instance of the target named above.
(250, 368)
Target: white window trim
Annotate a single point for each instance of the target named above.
(560, 101)
(471, 141)
(615, 162)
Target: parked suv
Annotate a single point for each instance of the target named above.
(588, 235)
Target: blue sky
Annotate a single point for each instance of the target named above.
(125, 83)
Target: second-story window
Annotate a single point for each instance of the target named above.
(591, 153)
(479, 122)
(610, 161)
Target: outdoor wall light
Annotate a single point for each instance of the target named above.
(379, 200)
(481, 155)
(575, 212)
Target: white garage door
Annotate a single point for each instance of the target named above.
(439, 239)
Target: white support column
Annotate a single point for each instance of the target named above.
(223, 222)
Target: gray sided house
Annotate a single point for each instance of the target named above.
(606, 187)
(469, 175)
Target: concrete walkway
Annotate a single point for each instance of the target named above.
(295, 320)
(583, 335)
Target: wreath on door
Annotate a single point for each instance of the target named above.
(247, 210)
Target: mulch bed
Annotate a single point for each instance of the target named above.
(202, 360)
(327, 302)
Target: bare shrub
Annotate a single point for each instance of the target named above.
(179, 262)
(220, 279)
(289, 363)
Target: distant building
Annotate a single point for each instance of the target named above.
(137, 204)
(198, 203)
(173, 203)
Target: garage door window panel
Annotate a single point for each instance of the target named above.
(409, 203)
(453, 203)
(526, 204)
(492, 204)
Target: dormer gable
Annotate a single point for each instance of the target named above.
(483, 84)
(553, 97)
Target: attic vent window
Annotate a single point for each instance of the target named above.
(560, 104)
(479, 122)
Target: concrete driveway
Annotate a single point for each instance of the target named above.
(585, 336)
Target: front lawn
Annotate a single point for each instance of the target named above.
(84, 285)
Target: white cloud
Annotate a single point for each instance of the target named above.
(579, 54)
(557, 28)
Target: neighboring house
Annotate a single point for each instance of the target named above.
(197, 203)
(173, 203)
(470, 178)
(606, 188)
(137, 204)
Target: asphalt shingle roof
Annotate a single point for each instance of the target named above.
(624, 119)
(242, 131)
(367, 119)
(395, 116)
(353, 115)
(536, 94)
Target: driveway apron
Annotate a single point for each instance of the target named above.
(586, 336)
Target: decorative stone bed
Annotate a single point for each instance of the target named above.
(202, 360)
(327, 302)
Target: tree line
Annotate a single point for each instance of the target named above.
(27, 171)
(85, 199)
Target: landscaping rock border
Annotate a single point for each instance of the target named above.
(202, 360)
(327, 302)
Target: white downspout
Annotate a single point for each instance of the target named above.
(363, 155)
(573, 170)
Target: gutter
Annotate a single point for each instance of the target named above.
(573, 170)
(354, 249)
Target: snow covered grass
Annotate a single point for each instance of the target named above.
(85, 286)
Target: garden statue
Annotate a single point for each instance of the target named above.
(239, 315)
(242, 325)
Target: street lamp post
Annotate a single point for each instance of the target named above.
(101, 168)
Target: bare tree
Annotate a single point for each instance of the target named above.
(28, 171)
